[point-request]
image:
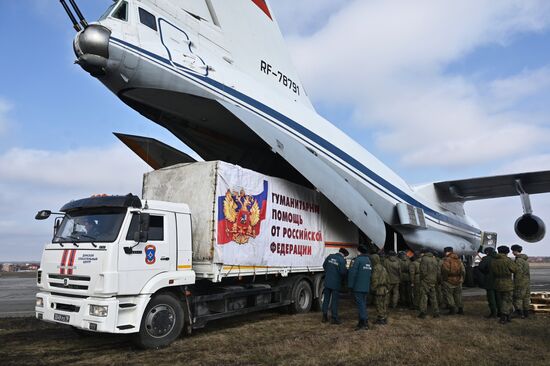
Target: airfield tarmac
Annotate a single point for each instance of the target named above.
(17, 293)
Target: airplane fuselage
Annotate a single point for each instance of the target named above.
(181, 74)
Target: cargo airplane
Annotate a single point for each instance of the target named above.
(217, 74)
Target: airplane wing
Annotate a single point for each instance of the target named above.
(493, 187)
(324, 178)
(155, 153)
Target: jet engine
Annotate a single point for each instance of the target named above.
(530, 228)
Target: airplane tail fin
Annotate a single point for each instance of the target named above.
(257, 46)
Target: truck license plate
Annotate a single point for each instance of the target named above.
(61, 318)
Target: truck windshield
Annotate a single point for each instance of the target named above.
(91, 225)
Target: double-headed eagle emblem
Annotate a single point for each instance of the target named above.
(243, 215)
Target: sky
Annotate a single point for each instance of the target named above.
(436, 89)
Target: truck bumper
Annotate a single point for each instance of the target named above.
(123, 314)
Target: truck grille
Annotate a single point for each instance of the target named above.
(69, 286)
(71, 282)
(70, 277)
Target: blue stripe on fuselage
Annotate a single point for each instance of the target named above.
(294, 126)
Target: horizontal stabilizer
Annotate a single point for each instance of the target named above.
(493, 187)
(322, 176)
(155, 153)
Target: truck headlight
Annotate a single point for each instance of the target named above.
(98, 310)
(39, 302)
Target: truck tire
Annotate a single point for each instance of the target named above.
(161, 324)
(318, 301)
(302, 298)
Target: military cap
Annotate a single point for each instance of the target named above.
(489, 250)
(344, 251)
(362, 249)
(503, 249)
(517, 248)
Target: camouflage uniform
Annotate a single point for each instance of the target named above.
(414, 272)
(429, 272)
(393, 266)
(405, 293)
(502, 269)
(441, 300)
(452, 274)
(488, 283)
(379, 287)
(522, 288)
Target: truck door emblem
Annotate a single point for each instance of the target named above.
(150, 251)
(66, 282)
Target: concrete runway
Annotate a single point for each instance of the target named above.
(17, 294)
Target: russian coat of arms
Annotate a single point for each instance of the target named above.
(242, 212)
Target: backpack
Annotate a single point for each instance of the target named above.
(453, 266)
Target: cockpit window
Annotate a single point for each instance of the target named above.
(108, 11)
(121, 12)
(147, 19)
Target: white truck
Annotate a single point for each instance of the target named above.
(206, 241)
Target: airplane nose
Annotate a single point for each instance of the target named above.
(91, 47)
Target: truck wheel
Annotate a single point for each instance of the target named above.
(302, 298)
(162, 322)
(318, 301)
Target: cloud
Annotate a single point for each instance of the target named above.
(5, 108)
(31, 180)
(90, 168)
(510, 90)
(389, 60)
(305, 16)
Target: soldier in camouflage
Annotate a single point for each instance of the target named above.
(405, 293)
(414, 272)
(393, 266)
(502, 269)
(429, 272)
(522, 286)
(379, 288)
(452, 275)
(488, 282)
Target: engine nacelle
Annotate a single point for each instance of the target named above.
(530, 228)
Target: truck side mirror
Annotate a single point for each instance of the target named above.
(142, 235)
(43, 215)
(56, 225)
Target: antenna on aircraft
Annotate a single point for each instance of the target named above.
(83, 21)
(71, 15)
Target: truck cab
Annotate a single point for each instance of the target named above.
(108, 256)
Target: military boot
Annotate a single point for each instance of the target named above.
(452, 311)
(460, 311)
(525, 314)
(502, 319)
(335, 321)
(422, 315)
(508, 318)
(517, 313)
(361, 325)
(491, 315)
(366, 325)
(325, 318)
(379, 321)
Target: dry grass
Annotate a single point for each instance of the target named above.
(271, 338)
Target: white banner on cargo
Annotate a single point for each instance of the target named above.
(264, 221)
